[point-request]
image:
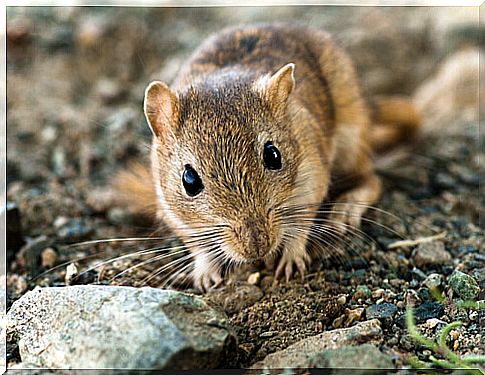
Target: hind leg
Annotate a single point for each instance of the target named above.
(348, 208)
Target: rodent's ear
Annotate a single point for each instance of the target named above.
(280, 85)
(161, 108)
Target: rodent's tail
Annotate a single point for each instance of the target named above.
(395, 121)
(136, 190)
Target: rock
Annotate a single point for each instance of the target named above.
(75, 230)
(464, 285)
(385, 311)
(71, 273)
(254, 278)
(234, 298)
(427, 311)
(14, 231)
(431, 253)
(299, 355)
(362, 291)
(433, 281)
(412, 298)
(29, 254)
(119, 327)
(48, 257)
(363, 359)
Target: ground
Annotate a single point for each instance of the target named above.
(75, 82)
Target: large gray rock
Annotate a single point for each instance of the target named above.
(119, 327)
(302, 353)
(362, 359)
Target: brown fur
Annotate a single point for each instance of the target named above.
(237, 92)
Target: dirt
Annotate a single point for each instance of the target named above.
(75, 82)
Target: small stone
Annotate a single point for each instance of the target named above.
(433, 281)
(337, 323)
(48, 257)
(235, 298)
(418, 273)
(118, 215)
(401, 304)
(342, 300)
(268, 334)
(362, 292)
(29, 254)
(431, 253)
(48, 134)
(59, 161)
(427, 311)
(353, 315)
(60, 221)
(412, 298)
(378, 293)
(465, 286)
(75, 230)
(382, 311)
(432, 323)
(424, 294)
(71, 273)
(254, 278)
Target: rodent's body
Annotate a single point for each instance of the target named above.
(287, 86)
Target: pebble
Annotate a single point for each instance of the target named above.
(412, 298)
(424, 294)
(48, 257)
(342, 300)
(338, 322)
(29, 254)
(430, 254)
(75, 230)
(362, 292)
(71, 273)
(378, 293)
(254, 278)
(433, 281)
(465, 286)
(235, 298)
(433, 322)
(382, 311)
(353, 315)
(427, 311)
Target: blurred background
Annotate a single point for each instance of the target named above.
(76, 75)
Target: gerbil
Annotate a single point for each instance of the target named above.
(256, 131)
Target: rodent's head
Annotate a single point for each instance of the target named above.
(224, 158)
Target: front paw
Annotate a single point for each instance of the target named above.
(205, 281)
(287, 263)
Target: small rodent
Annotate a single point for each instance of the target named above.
(261, 125)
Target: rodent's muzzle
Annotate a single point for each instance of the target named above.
(254, 239)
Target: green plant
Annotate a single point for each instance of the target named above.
(450, 360)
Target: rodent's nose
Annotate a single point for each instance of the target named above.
(255, 239)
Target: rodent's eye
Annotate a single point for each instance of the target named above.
(271, 156)
(192, 183)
